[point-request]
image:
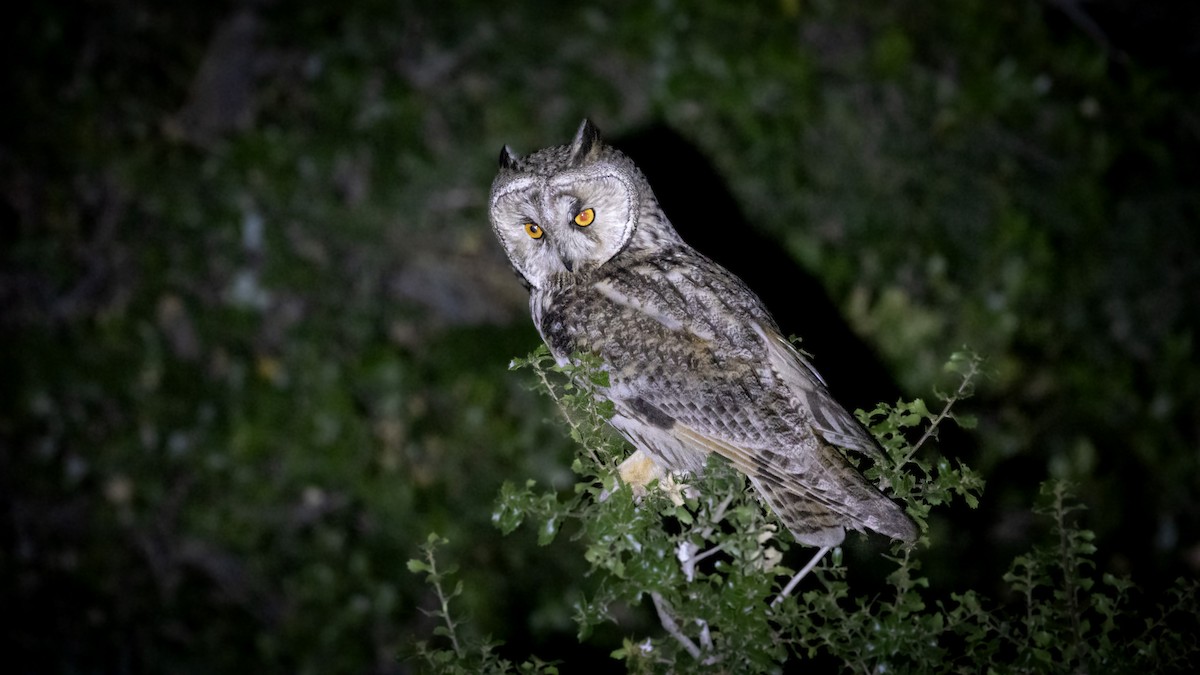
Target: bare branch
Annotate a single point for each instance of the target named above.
(668, 623)
(800, 575)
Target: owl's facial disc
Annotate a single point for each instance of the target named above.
(568, 223)
(594, 215)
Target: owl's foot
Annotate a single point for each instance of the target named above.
(638, 471)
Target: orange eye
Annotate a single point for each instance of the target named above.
(585, 217)
(533, 230)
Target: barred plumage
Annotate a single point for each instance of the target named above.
(696, 363)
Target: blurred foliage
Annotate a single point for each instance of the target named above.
(254, 328)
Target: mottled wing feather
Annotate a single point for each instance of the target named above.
(835, 424)
(816, 511)
(812, 516)
(733, 386)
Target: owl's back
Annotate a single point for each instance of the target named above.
(696, 366)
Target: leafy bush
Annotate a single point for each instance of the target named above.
(712, 563)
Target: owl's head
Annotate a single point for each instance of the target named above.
(566, 209)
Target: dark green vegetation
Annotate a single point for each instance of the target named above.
(714, 569)
(256, 331)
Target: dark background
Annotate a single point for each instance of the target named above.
(255, 328)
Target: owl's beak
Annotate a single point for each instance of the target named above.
(567, 263)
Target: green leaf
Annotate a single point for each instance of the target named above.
(599, 378)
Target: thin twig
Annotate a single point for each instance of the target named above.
(800, 575)
(717, 514)
(668, 622)
(541, 373)
(701, 556)
(1068, 567)
(705, 635)
(958, 394)
(444, 600)
(689, 565)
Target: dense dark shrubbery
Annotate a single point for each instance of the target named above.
(711, 563)
(254, 328)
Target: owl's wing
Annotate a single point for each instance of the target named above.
(712, 374)
(816, 500)
(832, 421)
(707, 318)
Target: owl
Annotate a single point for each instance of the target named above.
(696, 364)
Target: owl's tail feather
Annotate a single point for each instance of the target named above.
(817, 515)
(816, 523)
(856, 505)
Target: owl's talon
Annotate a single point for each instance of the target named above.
(638, 471)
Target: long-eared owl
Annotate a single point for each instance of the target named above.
(696, 364)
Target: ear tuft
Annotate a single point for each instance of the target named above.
(586, 143)
(508, 160)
